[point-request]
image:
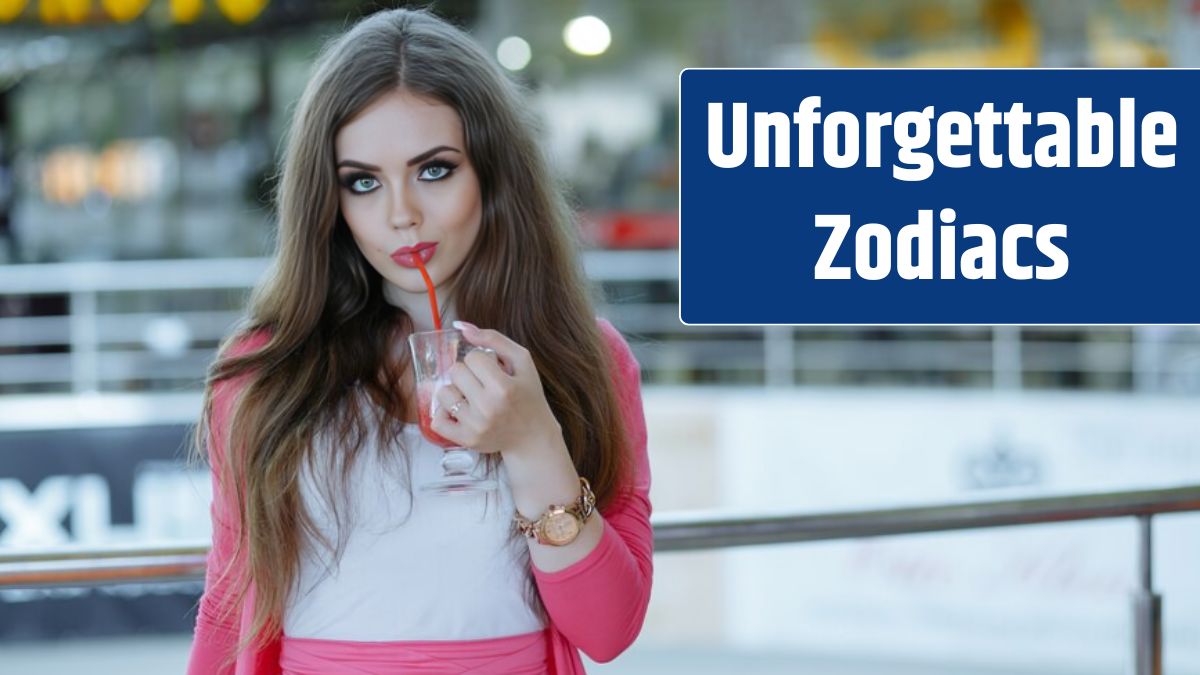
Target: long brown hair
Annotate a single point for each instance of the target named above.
(330, 328)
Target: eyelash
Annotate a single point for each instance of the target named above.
(349, 181)
(440, 164)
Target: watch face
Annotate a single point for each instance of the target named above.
(560, 528)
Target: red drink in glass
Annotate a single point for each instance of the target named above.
(434, 354)
(425, 419)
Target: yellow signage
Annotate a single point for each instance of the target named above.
(11, 9)
(124, 11)
(241, 11)
(64, 11)
(186, 11)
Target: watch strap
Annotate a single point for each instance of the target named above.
(582, 508)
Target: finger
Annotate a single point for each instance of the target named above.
(491, 354)
(445, 426)
(463, 430)
(487, 369)
(511, 353)
(464, 377)
(448, 397)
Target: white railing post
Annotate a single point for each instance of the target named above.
(85, 343)
(1006, 358)
(779, 356)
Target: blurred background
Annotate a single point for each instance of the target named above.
(138, 141)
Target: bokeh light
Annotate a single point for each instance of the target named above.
(513, 53)
(587, 35)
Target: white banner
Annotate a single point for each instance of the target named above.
(1050, 598)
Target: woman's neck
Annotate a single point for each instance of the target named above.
(416, 305)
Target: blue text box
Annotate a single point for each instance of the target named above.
(749, 244)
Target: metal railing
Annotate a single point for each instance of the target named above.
(109, 324)
(691, 531)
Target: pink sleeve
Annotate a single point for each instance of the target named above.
(217, 620)
(599, 602)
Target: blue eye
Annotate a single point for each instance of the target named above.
(436, 170)
(359, 183)
(363, 184)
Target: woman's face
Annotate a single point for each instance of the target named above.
(407, 185)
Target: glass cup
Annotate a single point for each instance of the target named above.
(434, 353)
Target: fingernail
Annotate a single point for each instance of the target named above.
(463, 325)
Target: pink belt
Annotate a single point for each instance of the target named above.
(526, 654)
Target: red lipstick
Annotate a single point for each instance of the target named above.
(403, 256)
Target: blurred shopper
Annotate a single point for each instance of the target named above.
(410, 153)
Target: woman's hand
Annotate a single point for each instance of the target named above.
(501, 406)
(504, 409)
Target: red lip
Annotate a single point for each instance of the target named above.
(403, 256)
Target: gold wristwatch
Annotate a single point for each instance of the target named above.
(559, 525)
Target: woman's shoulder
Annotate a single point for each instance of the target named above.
(617, 346)
(241, 343)
(246, 341)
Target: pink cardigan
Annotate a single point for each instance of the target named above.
(596, 605)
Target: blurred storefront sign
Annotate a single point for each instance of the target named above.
(99, 486)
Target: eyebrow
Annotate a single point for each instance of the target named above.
(415, 160)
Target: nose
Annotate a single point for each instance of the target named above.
(403, 210)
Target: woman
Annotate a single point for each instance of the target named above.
(326, 559)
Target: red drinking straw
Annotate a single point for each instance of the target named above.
(433, 307)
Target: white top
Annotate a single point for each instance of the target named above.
(436, 567)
